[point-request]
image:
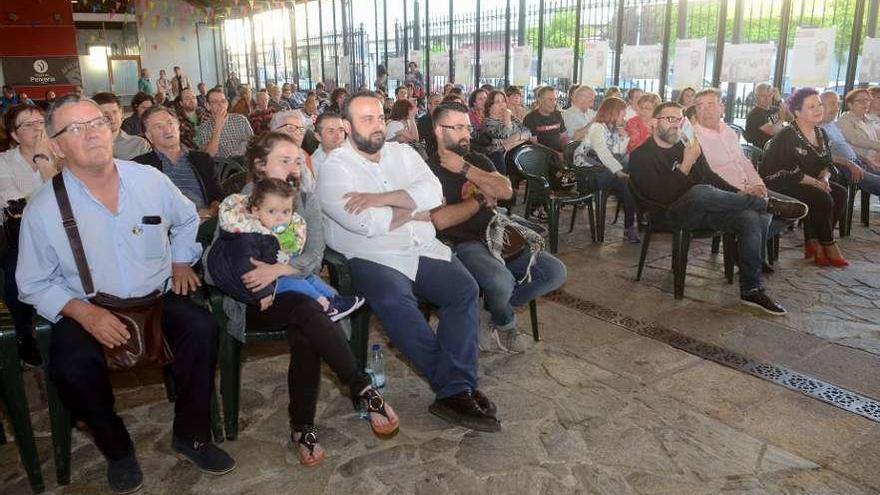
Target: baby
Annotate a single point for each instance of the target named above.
(265, 227)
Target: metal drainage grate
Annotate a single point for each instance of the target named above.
(807, 385)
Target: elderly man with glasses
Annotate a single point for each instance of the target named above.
(138, 235)
(224, 134)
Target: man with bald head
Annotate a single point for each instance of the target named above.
(857, 169)
(377, 199)
(138, 236)
(578, 116)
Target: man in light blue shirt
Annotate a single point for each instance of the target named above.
(138, 232)
(849, 163)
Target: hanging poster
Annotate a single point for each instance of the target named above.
(594, 68)
(396, 69)
(521, 65)
(41, 71)
(417, 57)
(869, 67)
(316, 68)
(344, 71)
(492, 64)
(811, 57)
(557, 63)
(689, 65)
(463, 63)
(440, 64)
(748, 62)
(640, 61)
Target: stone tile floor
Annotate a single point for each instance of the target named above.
(593, 408)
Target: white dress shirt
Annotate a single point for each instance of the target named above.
(18, 178)
(575, 119)
(367, 235)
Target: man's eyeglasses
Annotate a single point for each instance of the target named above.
(77, 128)
(296, 128)
(862, 100)
(671, 119)
(458, 128)
(32, 125)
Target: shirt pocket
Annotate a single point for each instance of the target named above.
(153, 240)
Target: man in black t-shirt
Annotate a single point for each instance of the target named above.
(762, 122)
(667, 171)
(471, 189)
(546, 122)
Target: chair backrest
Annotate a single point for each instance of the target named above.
(568, 153)
(753, 153)
(738, 129)
(234, 183)
(533, 163)
(226, 167)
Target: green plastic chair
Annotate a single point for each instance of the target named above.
(230, 348)
(13, 395)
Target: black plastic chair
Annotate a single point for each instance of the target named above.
(866, 209)
(737, 129)
(659, 222)
(226, 167)
(234, 183)
(533, 163)
(753, 153)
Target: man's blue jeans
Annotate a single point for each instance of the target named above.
(499, 280)
(448, 359)
(707, 207)
(870, 182)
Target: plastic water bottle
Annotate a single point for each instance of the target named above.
(377, 366)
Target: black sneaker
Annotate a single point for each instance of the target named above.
(29, 352)
(342, 306)
(760, 299)
(786, 210)
(484, 402)
(124, 475)
(206, 456)
(462, 409)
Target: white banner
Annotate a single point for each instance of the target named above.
(640, 61)
(522, 65)
(344, 71)
(463, 63)
(869, 65)
(558, 63)
(811, 57)
(748, 63)
(416, 56)
(492, 64)
(440, 64)
(396, 68)
(316, 74)
(689, 65)
(594, 67)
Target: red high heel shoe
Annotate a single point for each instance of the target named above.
(838, 262)
(809, 251)
(821, 260)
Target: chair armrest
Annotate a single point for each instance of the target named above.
(340, 275)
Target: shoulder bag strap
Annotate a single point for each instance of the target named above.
(70, 227)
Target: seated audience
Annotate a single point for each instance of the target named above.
(857, 129)
(139, 104)
(224, 134)
(261, 113)
(293, 123)
(604, 152)
(471, 189)
(330, 132)
(125, 147)
(764, 120)
(108, 197)
(310, 109)
(686, 97)
(192, 171)
(666, 171)
(425, 124)
(337, 97)
(476, 104)
(580, 114)
(638, 128)
(798, 163)
(190, 116)
(845, 157)
(401, 127)
(23, 169)
(276, 102)
(545, 121)
(377, 198)
(632, 101)
(515, 102)
(503, 131)
(242, 103)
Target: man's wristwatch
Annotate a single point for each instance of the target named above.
(481, 200)
(464, 169)
(39, 155)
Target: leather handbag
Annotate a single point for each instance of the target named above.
(514, 244)
(142, 316)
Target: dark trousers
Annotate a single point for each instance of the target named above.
(706, 207)
(826, 209)
(79, 371)
(449, 358)
(22, 314)
(606, 179)
(311, 337)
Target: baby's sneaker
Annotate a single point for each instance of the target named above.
(342, 306)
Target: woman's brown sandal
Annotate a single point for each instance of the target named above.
(373, 402)
(308, 438)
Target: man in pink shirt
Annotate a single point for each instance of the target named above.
(725, 157)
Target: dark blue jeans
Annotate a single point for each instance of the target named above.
(499, 280)
(707, 207)
(22, 314)
(449, 358)
(870, 182)
(606, 179)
